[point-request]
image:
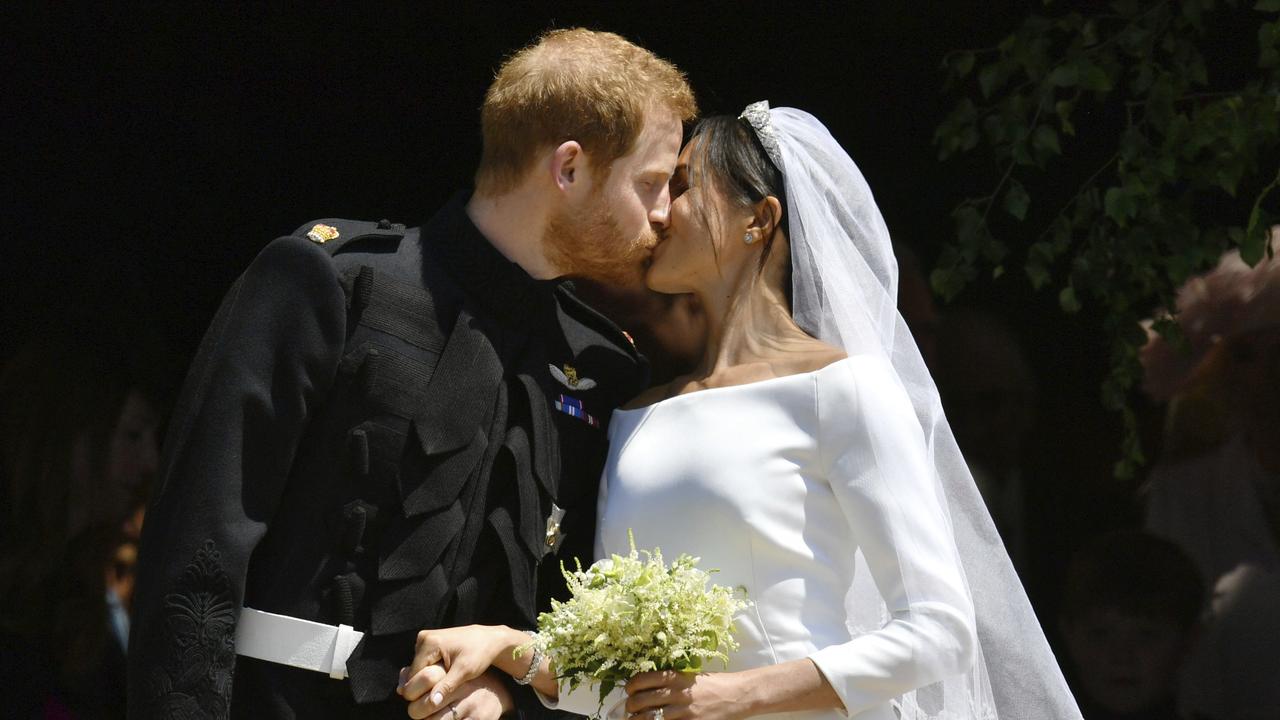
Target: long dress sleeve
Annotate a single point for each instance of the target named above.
(266, 362)
(874, 449)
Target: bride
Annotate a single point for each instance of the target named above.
(807, 459)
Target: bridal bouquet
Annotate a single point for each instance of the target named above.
(629, 615)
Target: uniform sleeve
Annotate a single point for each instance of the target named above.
(874, 450)
(266, 362)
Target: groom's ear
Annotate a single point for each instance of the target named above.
(567, 166)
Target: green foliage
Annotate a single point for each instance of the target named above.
(1127, 90)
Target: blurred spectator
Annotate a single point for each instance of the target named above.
(1216, 491)
(78, 448)
(989, 395)
(1129, 617)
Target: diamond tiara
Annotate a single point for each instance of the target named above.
(757, 114)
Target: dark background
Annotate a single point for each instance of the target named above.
(149, 154)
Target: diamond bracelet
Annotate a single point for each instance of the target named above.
(533, 666)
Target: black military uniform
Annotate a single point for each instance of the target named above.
(379, 430)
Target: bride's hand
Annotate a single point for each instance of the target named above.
(465, 653)
(685, 696)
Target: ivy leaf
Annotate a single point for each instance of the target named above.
(963, 64)
(989, 78)
(1068, 300)
(1045, 141)
(1064, 109)
(1064, 76)
(1119, 205)
(1253, 242)
(1269, 44)
(1016, 200)
(1037, 273)
(946, 282)
(1094, 78)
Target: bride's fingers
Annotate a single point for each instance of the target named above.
(651, 680)
(669, 712)
(655, 698)
(452, 711)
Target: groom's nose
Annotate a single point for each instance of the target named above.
(660, 213)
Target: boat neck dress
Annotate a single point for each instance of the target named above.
(790, 488)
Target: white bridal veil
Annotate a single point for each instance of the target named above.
(845, 282)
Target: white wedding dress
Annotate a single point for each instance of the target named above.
(793, 488)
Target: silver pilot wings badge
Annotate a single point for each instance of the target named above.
(569, 378)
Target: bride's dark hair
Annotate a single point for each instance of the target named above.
(727, 151)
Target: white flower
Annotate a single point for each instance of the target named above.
(628, 615)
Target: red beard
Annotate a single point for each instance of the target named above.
(591, 245)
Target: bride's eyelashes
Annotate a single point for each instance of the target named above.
(679, 183)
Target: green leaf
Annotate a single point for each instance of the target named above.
(1194, 14)
(1016, 200)
(993, 128)
(997, 272)
(989, 78)
(1269, 44)
(1064, 76)
(1068, 300)
(1064, 108)
(1119, 205)
(1037, 273)
(946, 282)
(1045, 141)
(962, 64)
(1197, 71)
(1094, 78)
(1268, 5)
(1253, 242)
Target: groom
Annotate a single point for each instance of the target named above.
(390, 429)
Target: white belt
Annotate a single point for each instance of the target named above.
(295, 642)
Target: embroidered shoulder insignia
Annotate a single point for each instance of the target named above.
(322, 233)
(569, 378)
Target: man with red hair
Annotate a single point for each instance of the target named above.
(391, 429)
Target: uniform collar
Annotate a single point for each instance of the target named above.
(500, 286)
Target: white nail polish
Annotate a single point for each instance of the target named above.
(437, 698)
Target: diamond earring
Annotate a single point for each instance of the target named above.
(749, 238)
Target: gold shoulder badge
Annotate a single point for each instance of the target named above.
(322, 234)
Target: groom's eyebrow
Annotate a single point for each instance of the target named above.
(657, 172)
